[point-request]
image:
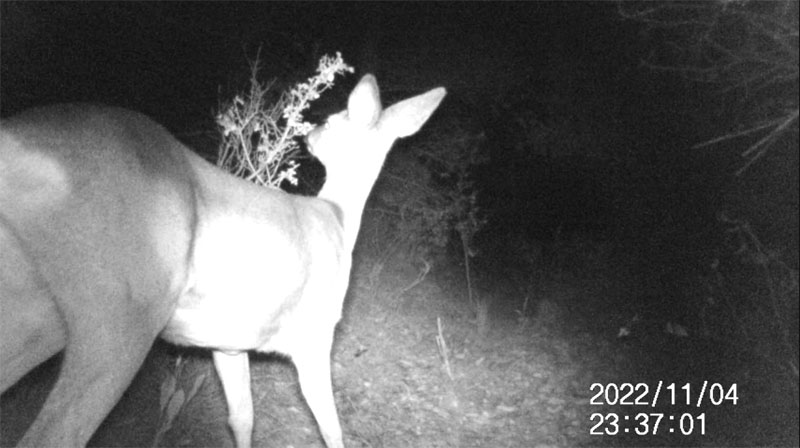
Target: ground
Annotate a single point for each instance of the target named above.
(530, 381)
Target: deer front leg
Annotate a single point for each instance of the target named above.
(314, 374)
(234, 373)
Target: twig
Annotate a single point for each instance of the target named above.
(440, 342)
(420, 277)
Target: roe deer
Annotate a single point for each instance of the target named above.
(112, 233)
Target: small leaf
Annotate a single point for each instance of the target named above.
(167, 389)
(175, 405)
(197, 383)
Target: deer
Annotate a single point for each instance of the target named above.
(113, 233)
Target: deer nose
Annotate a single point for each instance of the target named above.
(311, 139)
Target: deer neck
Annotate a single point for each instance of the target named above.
(349, 192)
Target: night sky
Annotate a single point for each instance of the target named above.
(152, 56)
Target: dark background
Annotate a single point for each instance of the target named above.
(560, 64)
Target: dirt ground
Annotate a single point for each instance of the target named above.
(548, 376)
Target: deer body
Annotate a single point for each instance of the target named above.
(112, 233)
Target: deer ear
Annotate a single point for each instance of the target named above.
(364, 105)
(406, 117)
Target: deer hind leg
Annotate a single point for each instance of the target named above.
(234, 374)
(313, 364)
(31, 329)
(107, 343)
